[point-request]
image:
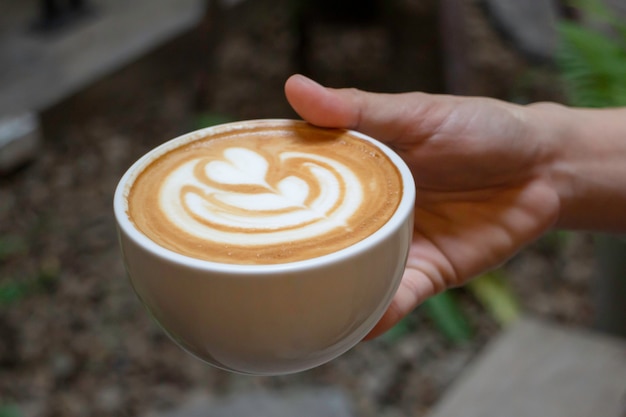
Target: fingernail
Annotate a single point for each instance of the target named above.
(307, 80)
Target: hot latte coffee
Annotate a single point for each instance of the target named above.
(269, 193)
(255, 197)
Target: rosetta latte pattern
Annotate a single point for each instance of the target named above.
(241, 199)
(272, 192)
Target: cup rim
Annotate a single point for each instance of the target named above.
(126, 226)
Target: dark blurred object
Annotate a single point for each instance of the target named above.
(338, 12)
(455, 47)
(56, 14)
(611, 284)
(9, 349)
(344, 11)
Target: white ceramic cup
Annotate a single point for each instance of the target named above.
(267, 319)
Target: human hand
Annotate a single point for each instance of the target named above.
(480, 171)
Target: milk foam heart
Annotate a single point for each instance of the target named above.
(262, 213)
(265, 196)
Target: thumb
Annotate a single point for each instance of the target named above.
(387, 117)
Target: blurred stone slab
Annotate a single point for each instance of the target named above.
(529, 24)
(538, 369)
(313, 402)
(39, 69)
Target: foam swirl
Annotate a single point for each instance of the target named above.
(240, 199)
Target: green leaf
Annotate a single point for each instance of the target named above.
(210, 119)
(48, 275)
(593, 63)
(10, 410)
(12, 292)
(397, 332)
(593, 67)
(444, 311)
(44, 280)
(12, 245)
(492, 291)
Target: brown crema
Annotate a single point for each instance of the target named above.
(271, 193)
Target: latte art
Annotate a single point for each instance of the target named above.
(265, 196)
(232, 201)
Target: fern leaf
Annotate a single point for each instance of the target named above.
(593, 67)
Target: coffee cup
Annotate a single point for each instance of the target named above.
(266, 247)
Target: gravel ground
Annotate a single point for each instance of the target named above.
(74, 340)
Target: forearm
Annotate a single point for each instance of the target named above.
(587, 167)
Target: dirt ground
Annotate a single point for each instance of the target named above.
(75, 341)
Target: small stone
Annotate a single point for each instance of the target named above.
(63, 366)
(109, 399)
(410, 347)
(19, 141)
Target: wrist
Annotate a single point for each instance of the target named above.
(586, 164)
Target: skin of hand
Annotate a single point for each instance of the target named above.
(482, 173)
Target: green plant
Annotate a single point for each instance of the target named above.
(44, 279)
(210, 119)
(11, 245)
(9, 410)
(493, 293)
(593, 61)
(447, 315)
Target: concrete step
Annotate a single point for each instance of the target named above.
(541, 369)
(40, 68)
(313, 402)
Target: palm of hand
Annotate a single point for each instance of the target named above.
(479, 200)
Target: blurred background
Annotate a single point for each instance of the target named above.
(88, 86)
